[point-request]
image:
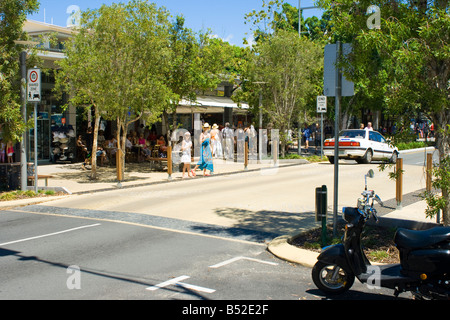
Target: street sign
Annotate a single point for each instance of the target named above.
(321, 104)
(329, 72)
(34, 85)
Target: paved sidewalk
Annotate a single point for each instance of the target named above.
(68, 175)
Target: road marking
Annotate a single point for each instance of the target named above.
(144, 226)
(177, 282)
(195, 288)
(221, 264)
(50, 234)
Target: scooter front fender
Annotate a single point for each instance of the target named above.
(335, 255)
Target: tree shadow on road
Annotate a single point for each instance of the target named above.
(263, 225)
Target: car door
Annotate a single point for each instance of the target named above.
(379, 146)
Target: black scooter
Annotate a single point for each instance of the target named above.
(424, 268)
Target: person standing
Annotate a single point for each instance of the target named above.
(317, 137)
(205, 162)
(369, 126)
(228, 142)
(2, 151)
(216, 141)
(10, 151)
(426, 130)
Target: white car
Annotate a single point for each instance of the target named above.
(361, 145)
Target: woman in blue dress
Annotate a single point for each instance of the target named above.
(206, 161)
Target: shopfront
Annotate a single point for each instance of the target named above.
(56, 127)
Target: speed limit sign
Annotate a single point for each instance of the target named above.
(34, 85)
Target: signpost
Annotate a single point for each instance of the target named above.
(335, 84)
(321, 108)
(34, 95)
(34, 85)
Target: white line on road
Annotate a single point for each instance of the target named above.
(241, 258)
(195, 288)
(167, 283)
(177, 282)
(50, 234)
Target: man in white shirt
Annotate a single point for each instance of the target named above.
(369, 126)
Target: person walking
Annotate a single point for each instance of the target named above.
(306, 136)
(205, 162)
(186, 154)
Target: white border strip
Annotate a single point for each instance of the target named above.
(50, 234)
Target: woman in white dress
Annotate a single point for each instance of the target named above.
(186, 154)
(216, 141)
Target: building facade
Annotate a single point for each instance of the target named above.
(58, 128)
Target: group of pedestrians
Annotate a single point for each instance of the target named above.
(6, 151)
(215, 144)
(206, 155)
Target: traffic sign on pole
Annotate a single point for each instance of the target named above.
(329, 73)
(34, 85)
(321, 104)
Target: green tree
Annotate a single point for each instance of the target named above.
(406, 61)
(116, 63)
(289, 68)
(197, 62)
(12, 16)
(277, 14)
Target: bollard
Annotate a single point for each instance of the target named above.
(246, 156)
(275, 152)
(119, 165)
(429, 170)
(399, 183)
(321, 211)
(169, 162)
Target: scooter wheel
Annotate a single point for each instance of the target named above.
(332, 279)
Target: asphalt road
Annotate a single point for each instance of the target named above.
(203, 239)
(52, 257)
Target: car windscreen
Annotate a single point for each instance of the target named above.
(353, 134)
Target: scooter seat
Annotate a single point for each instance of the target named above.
(414, 239)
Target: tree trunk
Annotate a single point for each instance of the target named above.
(165, 116)
(442, 134)
(94, 145)
(121, 136)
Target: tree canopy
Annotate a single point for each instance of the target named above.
(116, 64)
(12, 16)
(404, 62)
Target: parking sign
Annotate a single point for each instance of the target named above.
(34, 85)
(321, 104)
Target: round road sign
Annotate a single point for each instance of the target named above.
(33, 76)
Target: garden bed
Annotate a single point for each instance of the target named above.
(377, 242)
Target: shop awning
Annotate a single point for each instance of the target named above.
(210, 104)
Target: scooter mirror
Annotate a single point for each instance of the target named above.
(370, 174)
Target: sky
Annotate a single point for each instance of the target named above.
(225, 18)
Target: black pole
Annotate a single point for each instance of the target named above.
(336, 136)
(23, 149)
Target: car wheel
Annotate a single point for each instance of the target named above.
(331, 159)
(368, 157)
